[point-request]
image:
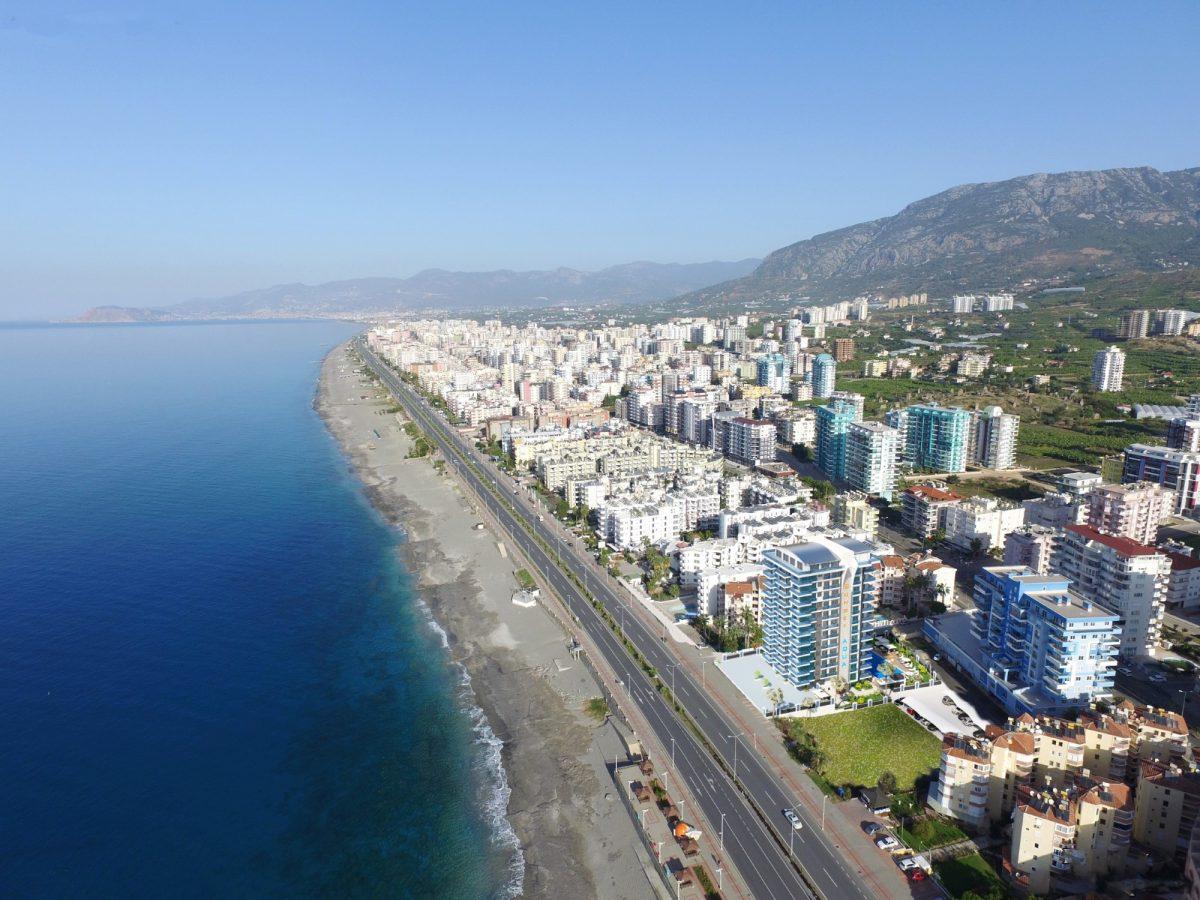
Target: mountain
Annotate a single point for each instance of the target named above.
(1045, 228)
(438, 289)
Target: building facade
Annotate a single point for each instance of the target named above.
(818, 598)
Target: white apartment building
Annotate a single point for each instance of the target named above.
(1030, 546)
(1108, 370)
(1124, 576)
(982, 519)
(871, 451)
(710, 586)
(1129, 510)
(1053, 510)
(995, 438)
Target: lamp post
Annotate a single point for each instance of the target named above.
(734, 738)
(672, 753)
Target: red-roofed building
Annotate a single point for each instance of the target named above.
(924, 506)
(1183, 589)
(1122, 575)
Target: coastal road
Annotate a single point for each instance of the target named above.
(760, 856)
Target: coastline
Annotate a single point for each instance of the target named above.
(572, 837)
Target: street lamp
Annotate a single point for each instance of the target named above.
(734, 738)
(673, 668)
(672, 753)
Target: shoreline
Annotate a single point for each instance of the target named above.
(572, 835)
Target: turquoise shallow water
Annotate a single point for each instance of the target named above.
(216, 677)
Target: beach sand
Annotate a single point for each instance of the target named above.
(576, 838)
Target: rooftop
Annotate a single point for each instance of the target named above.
(1122, 545)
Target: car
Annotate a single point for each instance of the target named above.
(1158, 677)
(791, 816)
(916, 874)
(872, 828)
(887, 842)
(1124, 670)
(907, 863)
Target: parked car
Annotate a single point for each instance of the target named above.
(872, 828)
(887, 842)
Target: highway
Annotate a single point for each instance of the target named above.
(761, 857)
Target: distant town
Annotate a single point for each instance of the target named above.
(838, 503)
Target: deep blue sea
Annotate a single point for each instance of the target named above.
(215, 678)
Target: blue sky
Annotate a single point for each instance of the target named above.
(153, 152)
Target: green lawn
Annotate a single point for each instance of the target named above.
(929, 833)
(969, 873)
(857, 747)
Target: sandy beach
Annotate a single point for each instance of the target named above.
(575, 836)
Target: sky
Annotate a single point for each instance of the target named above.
(152, 152)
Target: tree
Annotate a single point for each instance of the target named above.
(886, 782)
(976, 547)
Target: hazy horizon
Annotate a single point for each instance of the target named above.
(156, 155)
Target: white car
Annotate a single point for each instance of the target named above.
(793, 818)
(887, 842)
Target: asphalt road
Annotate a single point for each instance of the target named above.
(761, 859)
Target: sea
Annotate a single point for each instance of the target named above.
(216, 678)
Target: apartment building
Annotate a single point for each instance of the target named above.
(843, 349)
(995, 438)
(1183, 589)
(1183, 433)
(745, 440)
(1128, 578)
(854, 511)
(979, 524)
(824, 375)
(1108, 370)
(1053, 510)
(1030, 546)
(817, 600)
(923, 508)
(833, 426)
(1030, 643)
(964, 780)
(1175, 470)
(1080, 832)
(1047, 752)
(1132, 511)
(711, 584)
(742, 598)
(936, 438)
(1167, 808)
(870, 464)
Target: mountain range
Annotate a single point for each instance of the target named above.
(441, 290)
(1043, 228)
(1033, 231)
